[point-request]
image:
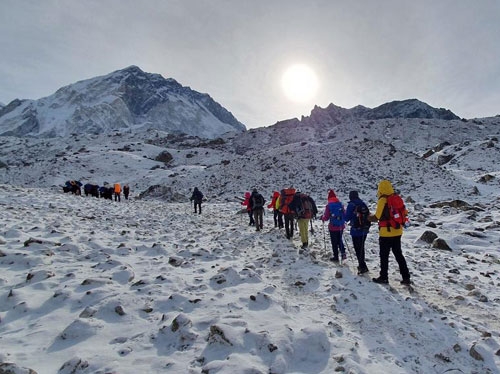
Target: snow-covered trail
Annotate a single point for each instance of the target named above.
(142, 286)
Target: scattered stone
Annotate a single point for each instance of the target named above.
(164, 157)
(75, 365)
(439, 243)
(473, 352)
(88, 312)
(180, 321)
(217, 335)
(30, 241)
(431, 225)
(338, 274)
(119, 310)
(175, 261)
(457, 348)
(11, 368)
(271, 347)
(428, 236)
(444, 159)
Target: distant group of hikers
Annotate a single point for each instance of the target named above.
(107, 191)
(290, 204)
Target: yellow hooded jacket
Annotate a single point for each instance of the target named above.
(385, 189)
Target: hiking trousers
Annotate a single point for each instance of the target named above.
(303, 224)
(280, 220)
(337, 243)
(258, 216)
(276, 214)
(289, 225)
(386, 245)
(358, 242)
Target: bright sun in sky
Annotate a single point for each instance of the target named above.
(299, 83)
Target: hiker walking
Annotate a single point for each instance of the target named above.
(390, 214)
(305, 208)
(286, 198)
(273, 205)
(335, 215)
(117, 191)
(126, 191)
(197, 198)
(257, 203)
(246, 203)
(357, 214)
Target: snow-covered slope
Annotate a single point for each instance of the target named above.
(311, 156)
(125, 100)
(92, 286)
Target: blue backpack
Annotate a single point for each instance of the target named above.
(337, 218)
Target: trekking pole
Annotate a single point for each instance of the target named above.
(348, 249)
(324, 238)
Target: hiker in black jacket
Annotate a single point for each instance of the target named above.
(197, 197)
(257, 203)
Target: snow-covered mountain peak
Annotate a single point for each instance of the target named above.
(124, 100)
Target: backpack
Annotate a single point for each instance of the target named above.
(337, 218)
(258, 201)
(304, 207)
(360, 221)
(286, 198)
(395, 212)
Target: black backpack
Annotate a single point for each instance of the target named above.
(360, 221)
(258, 201)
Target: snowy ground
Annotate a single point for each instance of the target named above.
(94, 286)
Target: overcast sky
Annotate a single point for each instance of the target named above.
(365, 52)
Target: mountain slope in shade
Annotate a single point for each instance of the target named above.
(124, 100)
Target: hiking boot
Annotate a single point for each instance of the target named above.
(362, 271)
(304, 246)
(334, 259)
(381, 280)
(406, 281)
(344, 256)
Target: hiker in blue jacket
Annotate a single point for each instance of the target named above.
(357, 215)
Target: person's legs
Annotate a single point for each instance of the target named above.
(256, 219)
(275, 217)
(280, 220)
(398, 254)
(303, 224)
(260, 218)
(335, 238)
(289, 225)
(385, 249)
(250, 215)
(358, 244)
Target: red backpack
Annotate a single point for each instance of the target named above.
(287, 196)
(394, 214)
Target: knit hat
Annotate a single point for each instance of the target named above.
(331, 195)
(353, 195)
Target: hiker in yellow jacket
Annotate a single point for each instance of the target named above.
(389, 236)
